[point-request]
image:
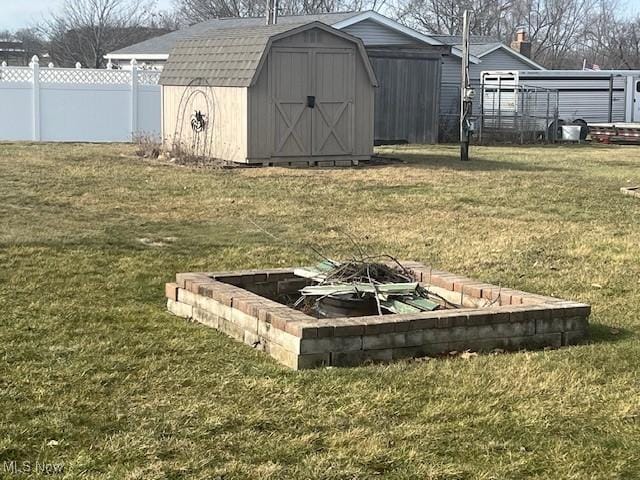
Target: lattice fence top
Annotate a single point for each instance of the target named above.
(71, 76)
(16, 74)
(148, 77)
(84, 75)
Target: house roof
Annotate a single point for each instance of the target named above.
(159, 47)
(534, 65)
(7, 45)
(473, 39)
(480, 46)
(233, 57)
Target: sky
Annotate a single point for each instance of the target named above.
(16, 14)
(24, 13)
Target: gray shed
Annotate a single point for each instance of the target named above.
(270, 94)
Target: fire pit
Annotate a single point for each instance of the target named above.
(252, 306)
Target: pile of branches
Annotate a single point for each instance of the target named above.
(363, 287)
(367, 272)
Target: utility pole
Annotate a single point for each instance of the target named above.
(466, 93)
(269, 12)
(272, 12)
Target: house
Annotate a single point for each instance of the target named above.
(270, 94)
(13, 52)
(416, 72)
(486, 53)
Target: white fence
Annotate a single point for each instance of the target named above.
(78, 105)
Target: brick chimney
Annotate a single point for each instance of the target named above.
(521, 44)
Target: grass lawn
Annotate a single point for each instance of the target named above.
(95, 374)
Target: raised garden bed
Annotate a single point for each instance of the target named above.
(244, 305)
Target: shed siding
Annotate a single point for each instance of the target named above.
(374, 33)
(313, 38)
(227, 125)
(450, 85)
(261, 115)
(407, 99)
(363, 112)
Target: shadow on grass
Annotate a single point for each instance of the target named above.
(599, 333)
(453, 162)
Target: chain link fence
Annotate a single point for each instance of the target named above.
(502, 114)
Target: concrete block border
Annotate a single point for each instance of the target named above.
(236, 303)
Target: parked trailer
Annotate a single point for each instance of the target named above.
(583, 97)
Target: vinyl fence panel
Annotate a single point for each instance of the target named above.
(78, 105)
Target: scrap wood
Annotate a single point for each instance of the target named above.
(458, 299)
(317, 273)
(421, 303)
(355, 288)
(392, 287)
(409, 305)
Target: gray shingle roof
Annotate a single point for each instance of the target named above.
(479, 45)
(481, 49)
(457, 39)
(232, 56)
(164, 43)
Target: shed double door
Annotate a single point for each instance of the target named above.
(312, 91)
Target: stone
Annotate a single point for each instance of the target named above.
(330, 344)
(171, 291)
(180, 309)
(205, 317)
(383, 340)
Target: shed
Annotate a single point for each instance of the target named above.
(270, 94)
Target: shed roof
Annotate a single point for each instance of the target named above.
(234, 57)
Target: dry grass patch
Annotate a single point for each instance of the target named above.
(92, 360)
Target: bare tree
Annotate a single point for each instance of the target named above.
(85, 30)
(193, 11)
(558, 29)
(488, 17)
(612, 42)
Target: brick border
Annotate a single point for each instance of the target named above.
(633, 191)
(520, 320)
